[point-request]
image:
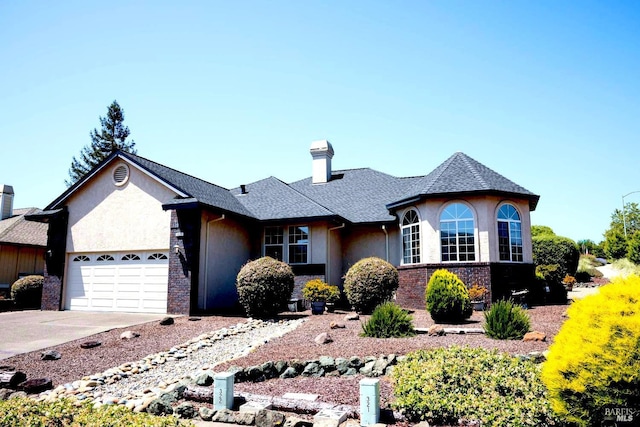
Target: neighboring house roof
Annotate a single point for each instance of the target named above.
(16, 230)
(460, 174)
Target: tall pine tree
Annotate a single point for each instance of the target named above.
(112, 137)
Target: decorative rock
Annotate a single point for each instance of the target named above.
(185, 410)
(342, 365)
(352, 316)
(160, 407)
(167, 321)
(5, 393)
(205, 413)
(535, 336)
(351, 372)
(90, 344)
(127, 335)
(289, 373)
(337, 325)
(245, 418)
(36, 385)
(267, 418)
(355, 362)
(297, 422)
(327, 362)
(323, 338)
(313, 370)
(224, 416)
(367, 369)
(204, 379)
(50, 355)
(435, 330)
(12, 378)
(194, 319)
(379, 367)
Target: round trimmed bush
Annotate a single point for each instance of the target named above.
(27, 292)
(447, 298)
(506, 321)
(456, 385)
(369, 283)
(264, 287)
(388, 321)
(594, 360)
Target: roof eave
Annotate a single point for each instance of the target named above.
(533, 198)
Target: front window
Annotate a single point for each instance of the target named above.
(509, 234)
(298, 244)
(273, 242)
(457, 233)
(411, 238)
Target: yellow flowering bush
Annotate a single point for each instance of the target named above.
(594, 362)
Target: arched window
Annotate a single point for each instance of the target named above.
(509, 234)
(411, 238)
(457, 233)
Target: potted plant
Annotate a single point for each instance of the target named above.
(319, 293)
(568, 282)
(476, 294)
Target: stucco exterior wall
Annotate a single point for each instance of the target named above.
(226, 248)
(370, 240)
(106, 217)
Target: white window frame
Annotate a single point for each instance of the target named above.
(456, 222)
(411, 253)
(513, 233)
(288, 243)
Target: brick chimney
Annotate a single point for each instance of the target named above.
(6, 201)
(322, 153)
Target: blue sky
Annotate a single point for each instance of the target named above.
(544, 92)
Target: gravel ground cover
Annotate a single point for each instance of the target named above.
(298, 344)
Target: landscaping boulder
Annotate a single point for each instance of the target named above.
(535, 336)
(50, 355)
(352, 316)
(435, 330)
(323, 338)
(204, 379)
(128, 335)
(224, 416)
(167, 321)
(289, 373)
(185, 410)
(90, 344)
(160, 407)
(205, 413)
(297, 422)
(337, 325)
(11, 379)
(267, 418)
(36, 385)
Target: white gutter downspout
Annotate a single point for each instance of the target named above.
(328, 272)
(386, 242)
(206, 261)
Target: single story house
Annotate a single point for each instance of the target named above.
(22, 242)
(135, 235)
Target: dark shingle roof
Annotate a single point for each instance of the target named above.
(462, 174)
(272, 199)
(358, 195)
(204, 192)
(17, 230)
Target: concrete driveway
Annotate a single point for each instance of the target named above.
(25, 331)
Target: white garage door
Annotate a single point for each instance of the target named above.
(117, 281)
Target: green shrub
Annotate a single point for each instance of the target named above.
(369, 283)
(594, 360)
(551, 250)
(317, 290)
(27, 412)
(449, 385)
(388, 321)
(27, 292)
(264, 287)
(447, 298)
(506, 321)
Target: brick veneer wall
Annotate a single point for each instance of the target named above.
(413, 280)
(181, 295)
(51, 292)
